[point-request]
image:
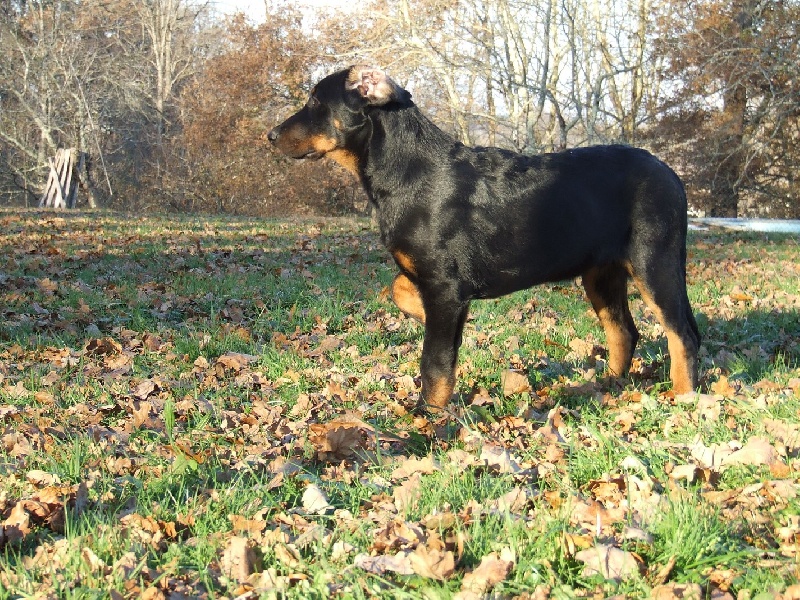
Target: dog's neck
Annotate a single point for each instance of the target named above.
(394, 151)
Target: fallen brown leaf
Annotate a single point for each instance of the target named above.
(408, 493)
(757, 451)
(551, 430)
(42, 478)
(433, 564)
(315, 501)
(609, 562)
(144, 389)
(238, 560)
(288, 555)
(243, 524)
(17, 525)
(792, 592)
(337, 439)
(514, 382)
(492, 569)
(236, 361)
(395, 535)
(413, 465)
(723, 387)
(499, 459)
(513, 501)
(141, 413)
(103, 346)
(398, 563)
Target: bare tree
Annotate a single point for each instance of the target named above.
(97, 75)
(531, 76)
(170, 29)
(33, 90)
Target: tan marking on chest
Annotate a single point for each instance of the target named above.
(405, 262)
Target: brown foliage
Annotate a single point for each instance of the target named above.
(716, 83)
(228, 111)
(733, 124)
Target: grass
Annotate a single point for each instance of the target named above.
(171, 385)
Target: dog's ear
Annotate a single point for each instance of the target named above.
(375, 86)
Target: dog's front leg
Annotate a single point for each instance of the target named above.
(443, 328)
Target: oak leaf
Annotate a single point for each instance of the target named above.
(787, 433)
(315, 501)
(723, 387)
(514, 382)
(513, 501)
(103, 346)
(143, 389)
(499, 459)
(141, 413)
(337, 439)
(17, 525)
(413, 465)
(432, 563)
(408, 493)
(243, 524)
(236, 361)
(42, 478)
(757, 451)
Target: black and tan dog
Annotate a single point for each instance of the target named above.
(465, 223)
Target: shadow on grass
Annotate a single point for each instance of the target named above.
(761, 344)
(98, 274)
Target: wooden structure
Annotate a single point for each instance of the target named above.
(68, 171)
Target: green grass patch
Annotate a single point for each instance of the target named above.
(220, 407)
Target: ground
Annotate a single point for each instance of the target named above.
(211, 407)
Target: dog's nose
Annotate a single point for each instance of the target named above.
(273, 135)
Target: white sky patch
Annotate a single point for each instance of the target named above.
(255, 10)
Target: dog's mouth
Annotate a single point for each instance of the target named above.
(305, 147)
(313, 155)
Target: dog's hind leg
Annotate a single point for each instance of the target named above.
(607, 289)
(443, 328)
(662, 282)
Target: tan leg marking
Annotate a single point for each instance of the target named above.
(440, 392)
(405, 262)
(618, 339)
(619, 343)
(407, 298)
(681, 372)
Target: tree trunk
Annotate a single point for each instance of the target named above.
(725, 187)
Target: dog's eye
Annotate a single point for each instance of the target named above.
(313, 102)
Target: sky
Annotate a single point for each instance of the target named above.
(255, 8)
(252, 8)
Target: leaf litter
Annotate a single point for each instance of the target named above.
(124, 381)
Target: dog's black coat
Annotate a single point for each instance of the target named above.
(465, 223)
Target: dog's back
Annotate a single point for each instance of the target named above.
(507, 221)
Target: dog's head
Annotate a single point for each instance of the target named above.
(335, 113)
